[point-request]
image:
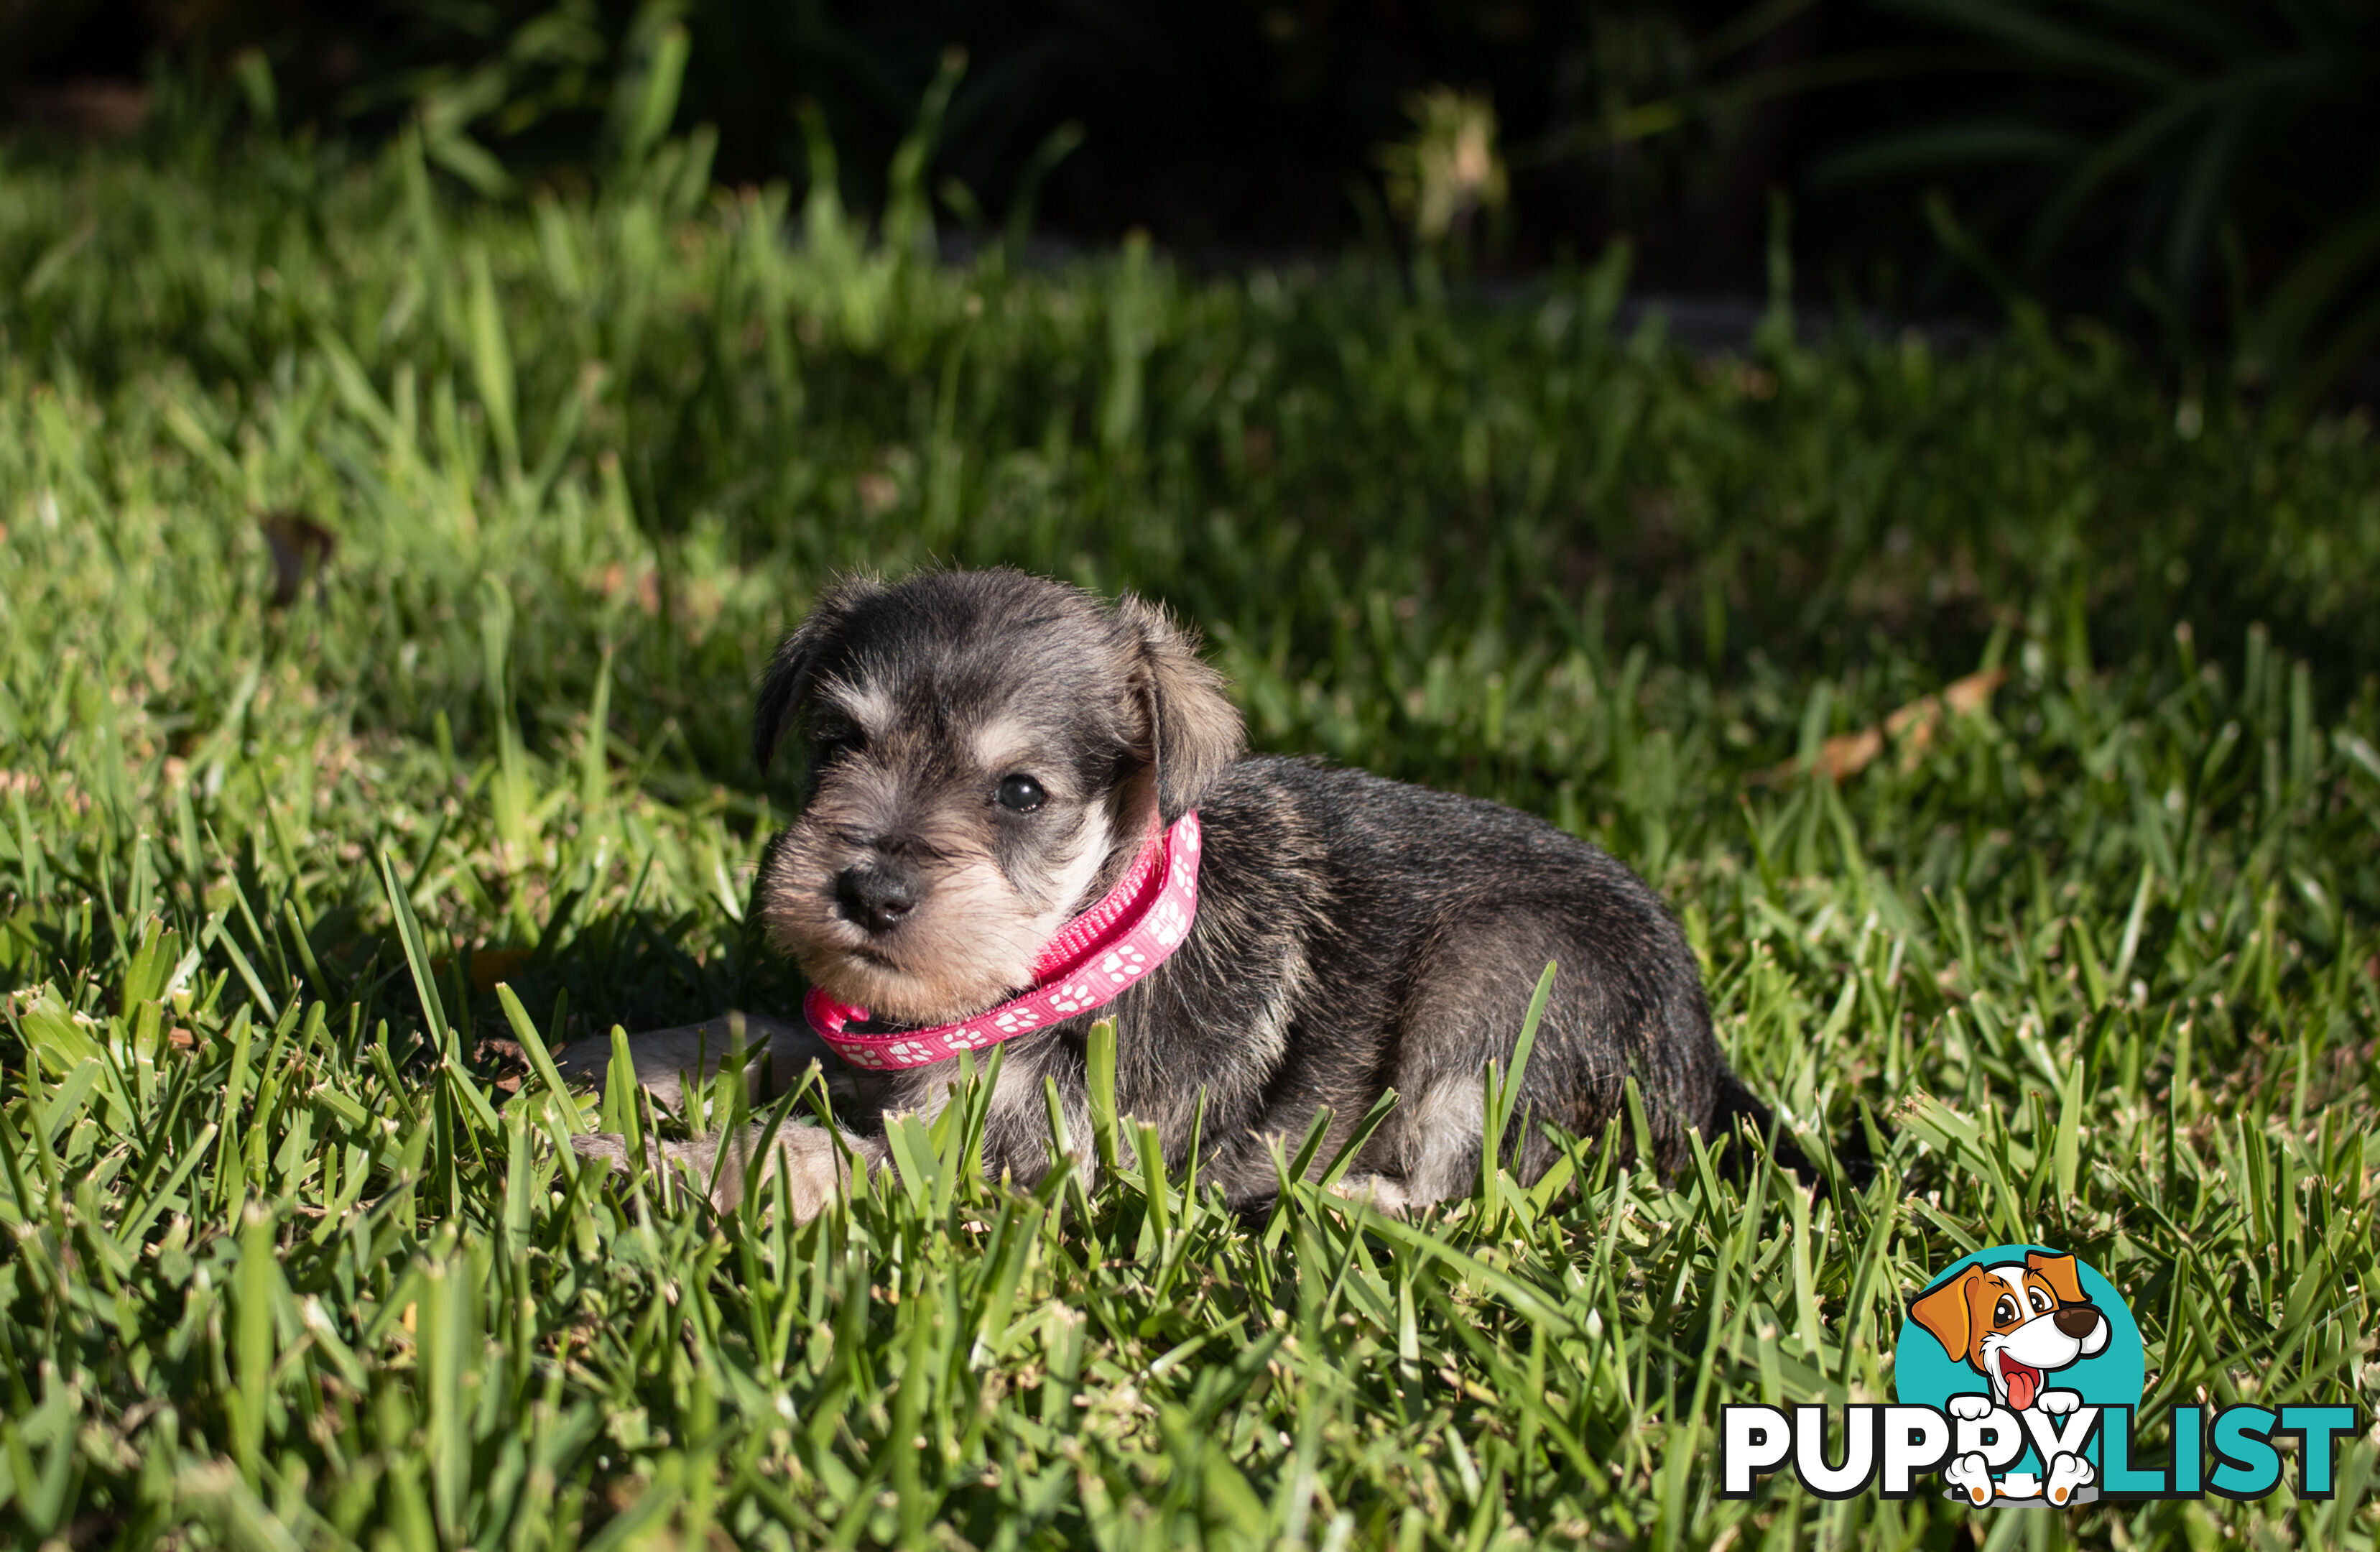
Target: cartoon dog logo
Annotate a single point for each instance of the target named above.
(2016, 1323)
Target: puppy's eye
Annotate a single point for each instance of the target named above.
(1020, 794)
(2041, 1301)
(2004, 1312)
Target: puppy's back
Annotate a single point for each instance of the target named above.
(1429, 918)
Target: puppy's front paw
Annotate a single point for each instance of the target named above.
(2058, 1403)
(1970, 1409)
(607, 1148)
(809, 1158)
(2065, 1473)
(610, 1149)
(1382, 1193)
(813, 1166)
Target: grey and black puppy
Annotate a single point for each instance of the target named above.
(984, 751)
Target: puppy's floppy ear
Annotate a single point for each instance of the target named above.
(2058, 1272)
(1193, 730)
(1947, 1314)
(786, 683)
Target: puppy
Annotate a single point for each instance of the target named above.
(2015, 1323)
(1028, 809)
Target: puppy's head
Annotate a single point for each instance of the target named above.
(2015, 1322)
(984, 751)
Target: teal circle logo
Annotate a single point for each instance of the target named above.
(2022, 1348)
(2017, 1379)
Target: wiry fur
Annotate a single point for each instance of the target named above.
(1353, 935)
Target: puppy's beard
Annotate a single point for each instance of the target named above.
(970, 943)
(962, 950)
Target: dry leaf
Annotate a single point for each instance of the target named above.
(1846, 754)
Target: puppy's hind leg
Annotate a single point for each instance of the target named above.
(1606, 1019)
(1464, 1007)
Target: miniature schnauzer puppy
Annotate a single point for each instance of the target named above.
(995, 760)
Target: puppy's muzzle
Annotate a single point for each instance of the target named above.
(876, 895)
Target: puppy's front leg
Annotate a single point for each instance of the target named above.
(813, 1162)
(1016, 1133)
(807, 1158)
(779, 1053)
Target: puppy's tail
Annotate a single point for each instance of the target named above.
(1854, 1162)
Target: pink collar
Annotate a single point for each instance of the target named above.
(1091, 960)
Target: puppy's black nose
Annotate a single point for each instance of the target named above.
(875, 898)
(2077, 1320)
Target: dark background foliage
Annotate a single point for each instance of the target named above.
(2197, 173)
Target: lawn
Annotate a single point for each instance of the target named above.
(383, 574)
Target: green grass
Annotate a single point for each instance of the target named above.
(289, 1263)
